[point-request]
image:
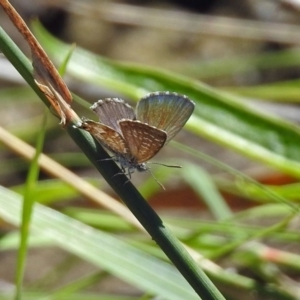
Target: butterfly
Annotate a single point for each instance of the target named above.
(135, 136)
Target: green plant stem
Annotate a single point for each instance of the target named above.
(124, 188)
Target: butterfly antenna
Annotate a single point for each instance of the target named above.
(156, 179)
(104, 159)
(169, 166)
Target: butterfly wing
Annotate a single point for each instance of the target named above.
(107, 136)
(166, 111)
(142, 140)
(111, 110)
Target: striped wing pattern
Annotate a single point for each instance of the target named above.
(107, 136)
(166, 111)
(142, 140)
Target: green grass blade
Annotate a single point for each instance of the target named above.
(28, 204)
(286, 91)
(203, 185)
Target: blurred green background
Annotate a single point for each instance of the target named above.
(234, 202)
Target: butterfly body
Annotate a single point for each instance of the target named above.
(134, 137)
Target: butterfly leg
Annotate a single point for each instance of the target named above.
(120, 173)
